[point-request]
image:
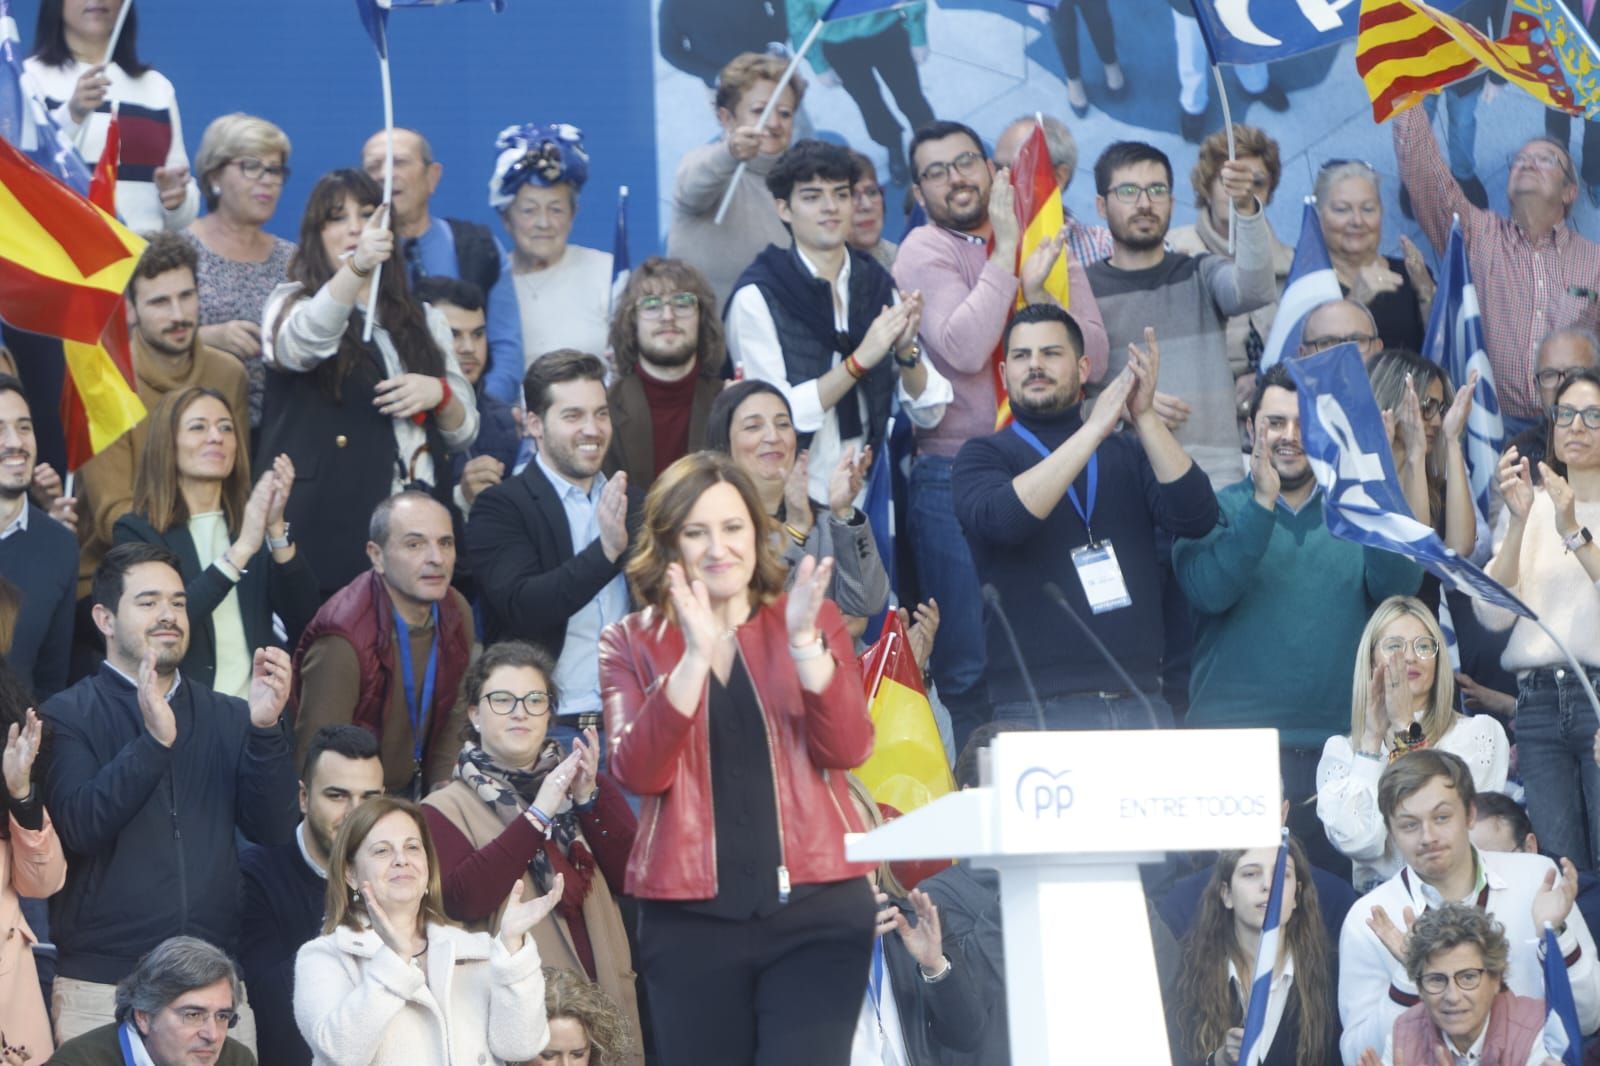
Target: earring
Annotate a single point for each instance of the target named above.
(216, 190)
(355, 895)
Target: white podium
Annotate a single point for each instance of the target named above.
(1066, 819)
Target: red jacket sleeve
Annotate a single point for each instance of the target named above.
(645, 731)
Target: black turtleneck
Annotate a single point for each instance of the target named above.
(1019, 554)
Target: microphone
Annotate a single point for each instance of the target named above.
(991, 596)
(1053, 590)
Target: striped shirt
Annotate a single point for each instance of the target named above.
(1527, 286)
(1088, 244)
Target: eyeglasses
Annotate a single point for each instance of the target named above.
(1565, 414)
(1128, 192)
(1540, 161)
(195, 1017)
(1551, 376)
(1425, 647)
(681, 303)
(1322, 344)
(535, 704)
(1435, 983)
(255, 169)
(1430, 405)
(966, 164)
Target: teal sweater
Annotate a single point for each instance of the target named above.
(1279, 607)
(803, 14)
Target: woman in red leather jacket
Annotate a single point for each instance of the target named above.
(735, 711)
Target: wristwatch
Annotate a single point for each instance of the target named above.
(277, 544)
(911, 360)
(1578, 539)
(940, 975)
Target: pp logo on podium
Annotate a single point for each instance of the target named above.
(1043, 793)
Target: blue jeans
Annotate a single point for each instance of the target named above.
(1461, 137)
(1555, 755)
(946, 573)
(1090, 710)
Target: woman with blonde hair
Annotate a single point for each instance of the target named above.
(1398, 292)
(586, 1028)
(1401, 700)
(391, 981)
(1219, 964)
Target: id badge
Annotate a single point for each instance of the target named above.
(1101, 577)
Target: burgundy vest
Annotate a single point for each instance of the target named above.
(363, 615)
(1515, 1022)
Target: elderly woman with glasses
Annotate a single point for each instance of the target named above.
(521, 811)
(243, 165)
(1456, 955)
(1401, 700)
(1399, 292)
(1546, 555)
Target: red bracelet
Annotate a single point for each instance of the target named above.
(854, 368)
(422, 416)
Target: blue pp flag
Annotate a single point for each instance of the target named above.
(843, 9)
(1560, 1004)
(1312, 282)
(1258, 31)
(1252, 1052)
(24, 122)
(1348, 447)
(375, 17)
(1455, 341)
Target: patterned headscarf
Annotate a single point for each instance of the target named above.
(541, 155)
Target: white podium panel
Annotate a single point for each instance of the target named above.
(1066, 819)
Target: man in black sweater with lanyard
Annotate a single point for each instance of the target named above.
(1058, 503)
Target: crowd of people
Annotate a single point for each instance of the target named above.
(480, 681)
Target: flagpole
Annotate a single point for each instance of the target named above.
(1227, 125)
(1572, 660)
(388, 179)
(622, 231)
(766, 113)
(116, 30)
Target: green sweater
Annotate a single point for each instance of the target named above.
(1279, 607)
(99, 1047)
(803, 14)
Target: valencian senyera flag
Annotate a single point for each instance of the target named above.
(1041, 217)
(63, 266)
(1406, 50)
(1567, 37)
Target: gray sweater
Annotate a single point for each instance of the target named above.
(722, 252)
(1193, 297)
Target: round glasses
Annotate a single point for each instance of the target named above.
(1565, 414)
(1425, 647)
(536, 704)
(681, 304)
(1435, 983)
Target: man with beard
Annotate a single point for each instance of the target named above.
(37, 554)
(286, 885)
(667, 347)
(164, 309)
(151, 774)
(1279, 605)
(547, 546)
(1187, 299)
(1057, 497)
(388, 651)
(964, 264)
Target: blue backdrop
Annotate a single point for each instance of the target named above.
(461, 74)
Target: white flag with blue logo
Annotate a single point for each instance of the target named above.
(1348, 448)
(26, 124)
(1252, 1051)
(1312, 283)
(1455, 342)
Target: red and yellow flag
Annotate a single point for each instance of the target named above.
(1039, 212)
(63, 266)
(1406, 50)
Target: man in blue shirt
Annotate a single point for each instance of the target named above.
(451, 248)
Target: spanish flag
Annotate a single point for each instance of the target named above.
(1406, 50)
(63, 266)
(1039, 211)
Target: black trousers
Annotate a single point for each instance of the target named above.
(888, 53)
(1097, 17)
(778, 991)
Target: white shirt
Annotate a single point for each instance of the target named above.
(879, 1040)
(1277, 997)
(310, 335)
(1374, 989)
(305, 852)
(235, 659)
(567, 304)
(18, 524)
(1347, 791)
(753, 343)
(141, 1057)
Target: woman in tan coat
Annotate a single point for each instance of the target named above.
(31, 864)
(516, 809)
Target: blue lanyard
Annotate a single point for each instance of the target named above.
(418, 712)
(127, 1048)
(1072, 490)
(875, 987)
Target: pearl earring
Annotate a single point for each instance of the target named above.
(216, 190)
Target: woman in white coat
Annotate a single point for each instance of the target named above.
(1403, 698)
(392, 981)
